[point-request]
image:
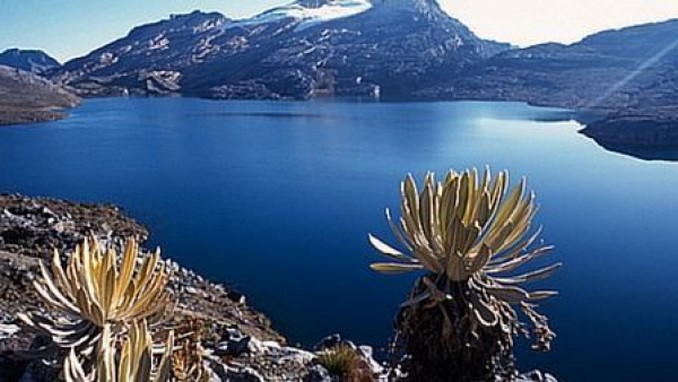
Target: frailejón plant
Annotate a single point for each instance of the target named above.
(93, 294)
(133, 362)
(469, 234)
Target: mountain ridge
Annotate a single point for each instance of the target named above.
(384, 49)
(30, 60)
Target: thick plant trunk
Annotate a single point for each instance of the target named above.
(435, 343)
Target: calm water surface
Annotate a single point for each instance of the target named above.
(276, 199)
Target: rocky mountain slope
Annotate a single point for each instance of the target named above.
(34, 61)
(309, 48)
(27, 97)
(629, 76)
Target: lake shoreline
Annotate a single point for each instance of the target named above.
(636, 135)
(620, 133)
(28, 116)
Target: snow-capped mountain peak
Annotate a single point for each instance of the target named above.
(309, 12)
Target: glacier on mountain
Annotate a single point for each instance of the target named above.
(308, 15)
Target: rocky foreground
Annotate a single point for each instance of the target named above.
(240, 343)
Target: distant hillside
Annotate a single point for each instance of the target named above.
(304, 49)
(630, 76)
(34, 61)
(27, 97)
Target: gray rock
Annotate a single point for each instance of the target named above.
(8, 330)
(536, 376)
(333, 340)
(317, 373)
(226, 373)
(235, 343)
(368, 354)
(328, 342)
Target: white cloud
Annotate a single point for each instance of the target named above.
(527, 22)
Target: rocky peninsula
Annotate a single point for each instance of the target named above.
(26, 97)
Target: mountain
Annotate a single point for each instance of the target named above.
(305, 49)
(27, 97)
(629, 77)
(35, 61)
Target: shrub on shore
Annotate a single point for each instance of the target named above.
(469, 235)
(344, 363)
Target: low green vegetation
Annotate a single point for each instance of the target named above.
(345, 364)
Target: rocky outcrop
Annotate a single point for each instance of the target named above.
(303, 50)
(32, 228)
(34, 61)
(239, 342)
(649, 137)
(26, 97)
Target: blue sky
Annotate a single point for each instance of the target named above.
(71, 28)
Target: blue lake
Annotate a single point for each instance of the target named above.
(276, 199)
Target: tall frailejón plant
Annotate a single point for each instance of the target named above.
(469, 234)
(93, 296)
(132, 363)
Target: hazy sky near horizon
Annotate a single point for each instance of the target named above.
(70, 28)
